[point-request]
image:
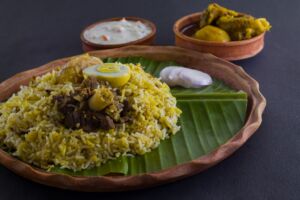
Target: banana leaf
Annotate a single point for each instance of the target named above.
(211, 116)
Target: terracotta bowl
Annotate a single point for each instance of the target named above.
(147, 40)
(234, 50)
(231, 74)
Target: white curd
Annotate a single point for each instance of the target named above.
(117, 32)
(185, 77)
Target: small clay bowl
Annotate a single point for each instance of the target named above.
(147, 40)
(234, 50)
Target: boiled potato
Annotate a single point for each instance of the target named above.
(212, 33)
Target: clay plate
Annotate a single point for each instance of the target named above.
(234, 50)
(147, 40)
(231, 74)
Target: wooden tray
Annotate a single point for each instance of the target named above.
(231, 74)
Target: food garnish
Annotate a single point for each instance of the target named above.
(72, 71)
(101, 98)
(114, 73)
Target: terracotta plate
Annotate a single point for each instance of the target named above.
(231, 74)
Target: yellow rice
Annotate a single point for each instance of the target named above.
(29, 125)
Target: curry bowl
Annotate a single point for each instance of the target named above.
(233, 50)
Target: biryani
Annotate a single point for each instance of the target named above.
(85, 113)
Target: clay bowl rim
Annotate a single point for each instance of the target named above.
(110, 46)
(122, 183)
(177, 31)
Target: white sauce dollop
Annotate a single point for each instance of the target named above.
(185, 77)
(117, 32)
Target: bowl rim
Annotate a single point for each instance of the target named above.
(130, 18)
(121, 183)
(177, 31)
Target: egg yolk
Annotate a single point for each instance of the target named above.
(114, 73)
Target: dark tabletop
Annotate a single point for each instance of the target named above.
(266, 167)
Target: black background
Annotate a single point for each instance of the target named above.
(266, 167)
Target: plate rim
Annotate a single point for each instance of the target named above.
(257, 104)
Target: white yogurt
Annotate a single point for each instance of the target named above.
(185, 77)
(117, 32)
